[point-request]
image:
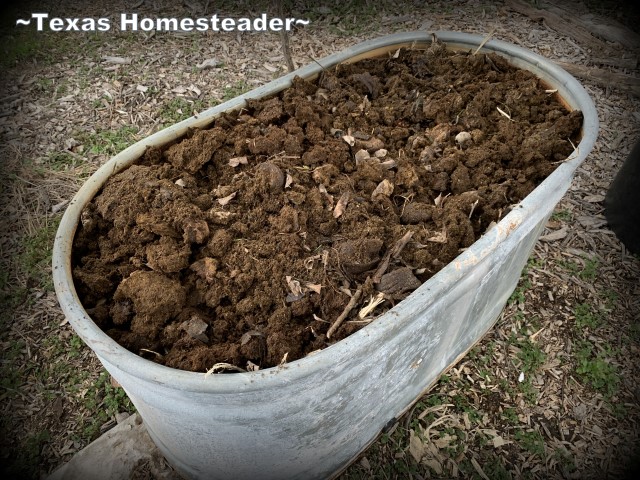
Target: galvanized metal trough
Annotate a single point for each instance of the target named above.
(310, 418)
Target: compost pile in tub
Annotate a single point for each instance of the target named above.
(245, 242)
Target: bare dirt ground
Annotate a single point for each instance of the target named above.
(550, 392)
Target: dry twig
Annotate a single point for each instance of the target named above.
(352, 303)
(393, 252)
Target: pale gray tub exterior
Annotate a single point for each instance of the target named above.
(311, 417)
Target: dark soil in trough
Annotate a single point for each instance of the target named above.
(243, 243)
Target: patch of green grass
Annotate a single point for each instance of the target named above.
(585, 317)
(570, 266)
(595, 369)
(529, 392)
(105, 400)
(11, 295)
(531, 356)
(587, 272)
(531, 441)
(524, 284)
(351, 17)
(61, 161)
(590, 269)
(179, 109)
(506, 386)
(109, 142)
(610, 297)
(75, 346)
(10, 376)
(495, 469)
(562, 215)
(235, 90)
(634, 331)
(22, 46)
(510, 415)
(35, 260)
(518, 294)
(565, 460)
(44, 85)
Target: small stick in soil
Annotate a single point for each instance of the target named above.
(393, 252)
(485, 40)
(352, 303)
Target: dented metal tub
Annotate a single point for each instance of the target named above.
(310, 418)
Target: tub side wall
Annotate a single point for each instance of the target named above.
(310, 418)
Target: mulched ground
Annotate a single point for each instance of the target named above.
(69, 101)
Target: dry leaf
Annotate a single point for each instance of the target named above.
(555, 235)
(498, 441)
(314, 287)
(440, 237)
(385, 187)
(439, 200)
(235, 161)
(294, 286)
(208, 63)
(180, 182)
(284, 359)
(478, 468)
(223, 201)
(247, 336)
(365, 104)
(195, 328)
(288, 181)
(308, 262)
(351, 141)
(341, 205)
(417, 448)
(444, 441)
(434, 464)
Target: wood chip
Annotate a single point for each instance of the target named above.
(116, 60)
(341, 205)
(555, 235)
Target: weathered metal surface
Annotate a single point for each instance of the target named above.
(310, 418)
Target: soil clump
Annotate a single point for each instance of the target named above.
(243, 242)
